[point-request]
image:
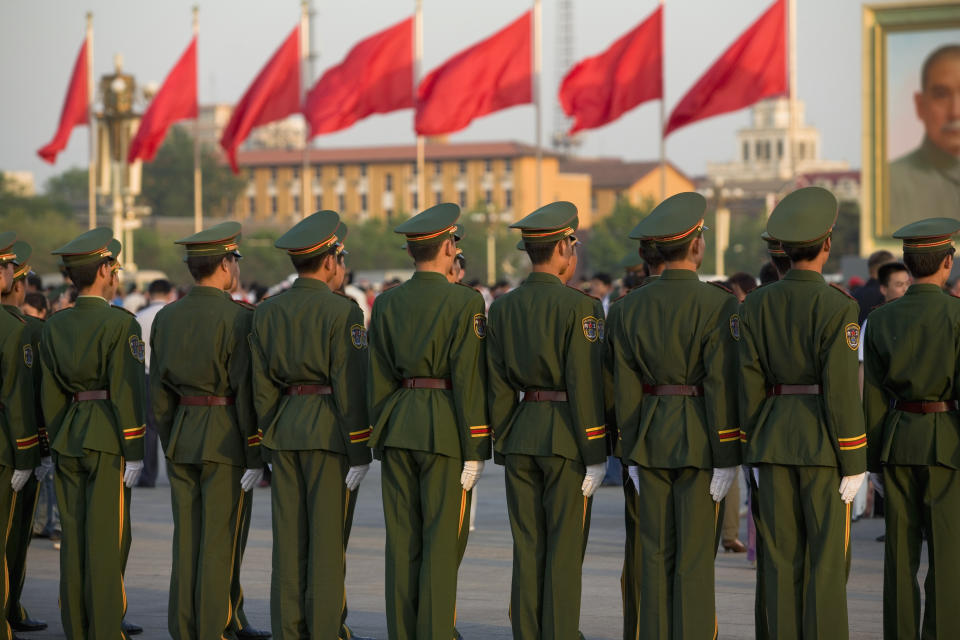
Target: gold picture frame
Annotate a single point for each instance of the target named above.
(880, 21)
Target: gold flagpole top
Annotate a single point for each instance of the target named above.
(196, 18)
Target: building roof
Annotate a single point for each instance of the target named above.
(396, 153)
(805, 179)
(612, 173)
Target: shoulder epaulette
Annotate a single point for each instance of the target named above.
(843, 291)
(350, 298)
(622, 296)
(16, 317)
(114, 306)
(580, 291)
(243, 304)
(58, 311)
(720, 285)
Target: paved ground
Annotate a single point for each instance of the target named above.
(484, 577)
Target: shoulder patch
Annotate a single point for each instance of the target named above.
(358, 336)
(28, 355)
(842, 290)
(136, 348)
(480, 325)
(591, 328)
(852, 333)
(126, 311)
(735, 326)
(720, 285)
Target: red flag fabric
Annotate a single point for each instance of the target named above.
(753, 68)
(176, 100)
(493, 74)
(603, 87)
(74, 111)
(376, 76)
(274, 94)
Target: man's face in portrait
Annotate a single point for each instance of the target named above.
(938, 104)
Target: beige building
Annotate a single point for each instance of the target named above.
(613, 180)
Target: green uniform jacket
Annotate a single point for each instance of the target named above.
(18, 444)
(199, 347)
(799, 330)
(546, 336)
(93, 347)
(614, 437)
(32, 333)
(429, 328)
(677, 330)
(311, 335)
(911, 353)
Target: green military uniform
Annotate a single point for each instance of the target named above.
(93, 406)
(200, 387)
(927, 179)
(802, 427)
(21, 522)
(911, 386)
(309, 348)
(427, 390)
(546, 342)
(674, 370)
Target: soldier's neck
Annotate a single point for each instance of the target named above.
(97, 290)
(808, 265)
(12, 299)
(552, 269)
(687, 265)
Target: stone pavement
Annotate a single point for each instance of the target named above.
(484, 576)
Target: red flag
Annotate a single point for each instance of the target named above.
(274, 94)
(176, 100)
(601, 88)
(375, 77)
(753, 68)
(74, 112)
(493, 74)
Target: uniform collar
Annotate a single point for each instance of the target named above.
(310, 283)
(92, 301)
(543, 278)
(804, 275)
(201, 290)
(937, 156)
(923, 288)
(15, 310)
(428, 275)
(679, 274)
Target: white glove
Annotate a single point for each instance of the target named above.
(877, 480)
(20, 477)
(46, 468)
(355, 476)
(593, 478)
(251, 478)
(722, 481)
(849, 485)
(471, 473)
(131, 472)
(634, 472)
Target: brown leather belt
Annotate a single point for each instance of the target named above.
(794, 390)
(540, 395)
(206, 401)
(309, 390)
(427, 383)
(672, 390)
(926, 406)
(85, 396)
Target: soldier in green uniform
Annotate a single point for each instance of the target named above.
(546, 343)
(778, 257)
(309, 350)
(200, 379)
(913, 434)
(21, 523)
(674, 367)
(93, 406)
(426, 395)
(801, 423)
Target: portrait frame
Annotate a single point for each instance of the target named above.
(879, 22)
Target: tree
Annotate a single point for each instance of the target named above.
(69, 188)
(168, 180)
(608, 240)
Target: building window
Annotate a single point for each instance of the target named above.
(273, 205)
(488, 165)
(273, 174)
(415, 200)
(252, 205)
(438, 168)
(363, 170)
(415, 168)
(508, 166)
(296, 173)
(463, 167)
(341, 203)
(389, 182)
(437, 197)
(779, 148)
(593, 201)
(489, 196)
(389, 214)
(339, 170)
(317, 173)
(801, 150)
(758, 150)
(250, 174)
(462, 198)
(746, 151)
(363, 202)
(296, 204)
(508, 197)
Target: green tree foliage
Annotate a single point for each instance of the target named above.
(607, 241)
(44, 222)
(69, 188)
(168, 180)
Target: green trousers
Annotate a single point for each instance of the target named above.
(207, 517)
(759, 596)
(629, 576)
(426, 512)
(91, 497)
(345, 632)
(804, 529)
(921, 500)
(309, 512)
(238, 619)
(18, 541)
(549, 519)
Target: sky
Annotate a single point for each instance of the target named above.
(39, 41)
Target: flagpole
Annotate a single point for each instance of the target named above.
(417, 72)
(92, 118)
(197, 170)
(792, 75)
(663, 120)
(305, 78)
(538, 111)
